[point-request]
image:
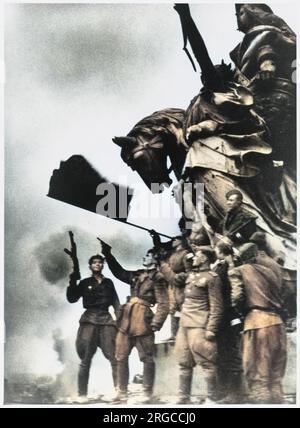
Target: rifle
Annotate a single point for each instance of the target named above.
(73, 254)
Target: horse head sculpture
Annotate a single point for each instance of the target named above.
(149, 145)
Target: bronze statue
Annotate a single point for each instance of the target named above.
(265, 62)
(223, 143)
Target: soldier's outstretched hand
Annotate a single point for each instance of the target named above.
(106, 248)
(155, 238)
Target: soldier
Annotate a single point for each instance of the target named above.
(284, 275)
(229, 366)
(173, 259)
(238, 224)
(259, 239)
(97, 328)
(199, 323)
(137, 323)
(256, 292)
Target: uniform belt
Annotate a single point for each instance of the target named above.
(261, 308)
(96, 310)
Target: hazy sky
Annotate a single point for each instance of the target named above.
(77, 75)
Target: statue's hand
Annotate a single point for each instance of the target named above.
(192, 132)
(203, 129)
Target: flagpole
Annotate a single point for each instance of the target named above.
(143, 228)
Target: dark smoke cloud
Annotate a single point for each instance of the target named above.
(53, 262)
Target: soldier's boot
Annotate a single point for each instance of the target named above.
(148, 381)
(185, 385)
(114, 370)
(260, 393)
(83, 378)
(174, 327)
(122, 381)
(277, 396)
(211, 388)
(235, 392)
(222, 384)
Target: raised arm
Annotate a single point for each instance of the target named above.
(74, 291)
(117, 270)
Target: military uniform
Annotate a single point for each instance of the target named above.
(137, 322)
(238, 225)
(97, 328)
(200, 318)
(229, 361)
(256, 292)
(177, 262)
(263, 259)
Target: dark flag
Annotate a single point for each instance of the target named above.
(77, 183)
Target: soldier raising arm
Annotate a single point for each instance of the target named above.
(97, 328)
(137, 322)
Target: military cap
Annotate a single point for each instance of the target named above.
(248, 251)
(258, 238)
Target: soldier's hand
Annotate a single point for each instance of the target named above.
(106, 249)
(209, 335)
(155, 237)
(226, 239)
(153, 232)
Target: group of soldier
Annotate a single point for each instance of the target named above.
(225, 305)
